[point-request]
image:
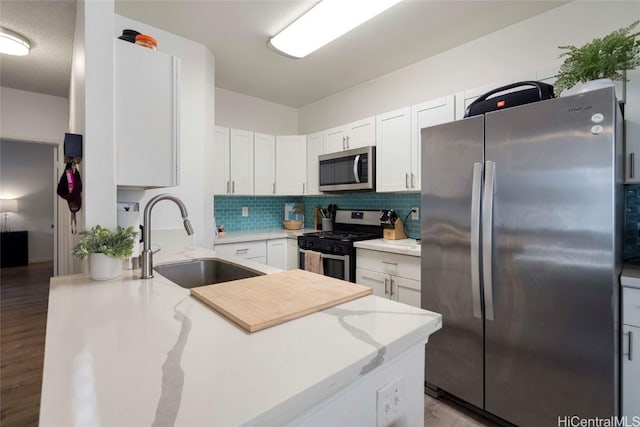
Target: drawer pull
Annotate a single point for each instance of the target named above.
(390, 263)
(242, 251)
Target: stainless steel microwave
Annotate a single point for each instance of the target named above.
(348, 170)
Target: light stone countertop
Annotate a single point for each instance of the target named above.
(249, 236)
(630, 276)
(402, 247)
(132, 352)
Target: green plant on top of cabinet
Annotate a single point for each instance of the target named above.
(233, 161)
(265, 164)
(360, 133)
(315, 147)
(291, 164)
(146, 116)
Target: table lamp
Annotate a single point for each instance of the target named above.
(6, 206)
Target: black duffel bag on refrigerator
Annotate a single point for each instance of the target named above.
(487, 103)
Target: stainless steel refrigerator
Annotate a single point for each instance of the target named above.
(521, 252)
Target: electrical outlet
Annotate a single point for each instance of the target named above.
(415, 215)
(389, 403)
(245, 211)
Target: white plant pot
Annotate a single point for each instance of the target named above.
(103, 267)
(594, 85)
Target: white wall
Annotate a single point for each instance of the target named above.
(197, 121)
(26, 172)
(515, 52)
(235, 110)
(30, 116)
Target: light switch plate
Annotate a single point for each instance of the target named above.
(245, 211)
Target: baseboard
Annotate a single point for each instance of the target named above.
(37, 260)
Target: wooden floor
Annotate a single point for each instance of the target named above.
(24, 294)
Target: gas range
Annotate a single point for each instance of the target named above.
(336, 246)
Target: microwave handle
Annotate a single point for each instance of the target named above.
(356, 163)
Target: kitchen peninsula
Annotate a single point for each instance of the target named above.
(144, 352)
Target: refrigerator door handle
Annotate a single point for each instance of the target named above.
(476, 189)
(487, 237)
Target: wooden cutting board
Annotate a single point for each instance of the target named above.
(264, 301)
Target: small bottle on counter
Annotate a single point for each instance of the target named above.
(146, 41)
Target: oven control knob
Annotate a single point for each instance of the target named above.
(338, 249)
(329, 249)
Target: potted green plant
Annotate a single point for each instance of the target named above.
(105, 250)
(605, 58)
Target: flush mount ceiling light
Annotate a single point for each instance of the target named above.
(13, 43)
(326, 21)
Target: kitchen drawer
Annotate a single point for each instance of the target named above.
(255, 251)
(389, 263)
(631, 306)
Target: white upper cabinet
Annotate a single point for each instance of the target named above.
(360, 133)
(291, 164)
(241, 163)
(335, 139)
(146, 116)
(221, 176)
(315, 147)
(393, 151)
(265, 164)
(423, 115)
(632, 128)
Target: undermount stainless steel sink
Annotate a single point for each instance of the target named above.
(204, 271)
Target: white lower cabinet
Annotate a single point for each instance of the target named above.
(293, 260)
(277, 253)
(392, 276)
(253, 251)
(631, 353)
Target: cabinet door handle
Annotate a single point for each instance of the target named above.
(233, 187)
(413, 185)
(390, 263)
(343, 142)
(630, 357)
(391, 287)
(303, 188)
(406, 180)
(386, 286)
(228, 187)
(632, 165)
(347, 141)
(274, 188)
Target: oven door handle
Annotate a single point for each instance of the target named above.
(327, 256)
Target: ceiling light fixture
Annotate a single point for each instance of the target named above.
(13, 43)
(326, 21)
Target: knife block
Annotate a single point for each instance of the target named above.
(396, 233)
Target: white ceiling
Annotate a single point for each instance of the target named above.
(237, 31)
(49, 26)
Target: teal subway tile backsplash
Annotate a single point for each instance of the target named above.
(267, 212)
